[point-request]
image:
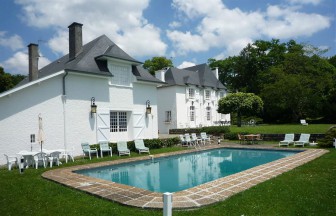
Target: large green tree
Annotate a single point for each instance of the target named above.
(157, 63)
(241, 73)
(242, 104)
(293, 79)
(300, 87)
(8, 81)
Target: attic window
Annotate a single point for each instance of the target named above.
(207, 94)
(121, 75)
(191, 93)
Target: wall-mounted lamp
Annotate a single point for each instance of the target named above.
(148, 108)
(93, 106)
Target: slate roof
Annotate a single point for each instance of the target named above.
(199, 75)
(93, 60)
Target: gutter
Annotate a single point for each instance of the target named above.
(64, 76)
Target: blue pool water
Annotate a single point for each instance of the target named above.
(180, 172)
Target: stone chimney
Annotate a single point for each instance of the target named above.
(160, 74)
(215, 72)
(33, 61)
(75, 40)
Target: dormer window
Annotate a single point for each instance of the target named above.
(207, 94)
(121, 75)
(191, 93)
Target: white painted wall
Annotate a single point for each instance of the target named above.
(68, 124)
(174, 97)
(19, 117)
(141, 93)
(166, 102)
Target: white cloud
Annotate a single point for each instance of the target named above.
(231, 29)
(14, 42)
(313, 2)
(185, 42)
(175, 24)
(18, 63)
(196, 8)
(186, 64)
(121, 20)
(288, 23)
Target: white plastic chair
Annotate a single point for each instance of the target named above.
(188, 140)
(195, 139)
(11, 160)
(122, 148)
(54, 157)
(40, 157)
(68, 154)
(104, 147)
(140, 146)
(289, 138)
(205, 138)
(88, 150)
(183, 141)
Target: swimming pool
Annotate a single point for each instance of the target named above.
(201, 195)
(177, 173)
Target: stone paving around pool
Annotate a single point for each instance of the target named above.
(201, 195)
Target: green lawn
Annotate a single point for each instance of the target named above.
(306, 190)
(282, 129)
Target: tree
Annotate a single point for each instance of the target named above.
(332, 60)
(300, 87)
(157, 63)
(292, 79)
(241, 73)
(8, 81)
(241, 104)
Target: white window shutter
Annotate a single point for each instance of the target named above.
(213, 95)
(197, 94)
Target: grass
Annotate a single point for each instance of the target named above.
(307, 190)
(282, 129)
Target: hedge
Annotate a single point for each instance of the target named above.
(150, 143)
(213, 130)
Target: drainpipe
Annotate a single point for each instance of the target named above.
(64, 111)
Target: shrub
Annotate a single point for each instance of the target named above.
(327, 141)
(233, 135)
(214, 130)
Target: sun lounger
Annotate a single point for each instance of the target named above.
(140, 146)
(289, 138)
(304, 139)
(122, 148)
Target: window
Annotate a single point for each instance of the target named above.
(168, 116)
(221, 94)
(191, 93)
(207, 95)
(121, 75)
(118, 121)
(192, 113)
(208, 113)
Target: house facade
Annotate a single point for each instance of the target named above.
(99, 74)
(189, 98)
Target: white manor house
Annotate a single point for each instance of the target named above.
(129, 102)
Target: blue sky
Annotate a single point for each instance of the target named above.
(187, 31)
